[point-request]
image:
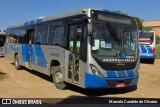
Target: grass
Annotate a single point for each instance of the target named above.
(2, 75)
(158, 52)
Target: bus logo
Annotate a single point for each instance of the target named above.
(123, 55)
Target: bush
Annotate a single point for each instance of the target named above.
(157, 39)
(158, 52)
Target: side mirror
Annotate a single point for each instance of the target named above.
(89, 29)
(87, 20)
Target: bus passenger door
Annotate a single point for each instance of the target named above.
(31, 34)
(75, 34)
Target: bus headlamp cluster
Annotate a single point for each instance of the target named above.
(95, 71)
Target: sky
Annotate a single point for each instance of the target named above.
(14, 12)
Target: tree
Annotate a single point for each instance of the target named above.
(147, 28)
(157, 40)
(139, 22)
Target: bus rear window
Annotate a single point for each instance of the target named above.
(146, 37)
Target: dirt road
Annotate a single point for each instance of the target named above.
(31, 84)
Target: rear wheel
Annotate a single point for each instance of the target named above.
(16, 63)
(58, 78)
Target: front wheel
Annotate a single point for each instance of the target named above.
(16, 62)
(58, 77)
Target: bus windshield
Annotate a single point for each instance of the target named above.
(146, 37)
(111, 45)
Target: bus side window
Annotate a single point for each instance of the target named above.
(13, 36)
(38, 38)
(51, 34)
(21, 36)
(56, 35)
(41, 34)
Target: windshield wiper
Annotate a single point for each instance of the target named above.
(113, 32)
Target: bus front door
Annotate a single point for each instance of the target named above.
(75, 34)
(30, 49)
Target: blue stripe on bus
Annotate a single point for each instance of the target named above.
(143, 49)
(32, 56)
(41, 60)
(25, 56)
(149, 49)
(130, 73)
(121, 74)
(32, 22)
(92, 81)
(146, 48)
(111, 74)
(147, 56)
(38, 20)
(26, 23)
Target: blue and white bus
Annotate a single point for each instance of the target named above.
(147, 41)
(2, 42)
(90, 48)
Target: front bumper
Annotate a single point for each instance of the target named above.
(92, 81)
(147, 56)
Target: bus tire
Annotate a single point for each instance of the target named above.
(16, 63)
(58, 78)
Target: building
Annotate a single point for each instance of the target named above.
(2, 32)
(155, 25)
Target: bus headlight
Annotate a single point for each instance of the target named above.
(95, 71)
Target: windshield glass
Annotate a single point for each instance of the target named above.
(112, 45)
(146, 37)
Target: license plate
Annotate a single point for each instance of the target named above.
(120, 85)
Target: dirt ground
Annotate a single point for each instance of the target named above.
(31, 84)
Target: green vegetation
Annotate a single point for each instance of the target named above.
(147, 28)
(158, 40)
(158, 47)
(2, 75)
(158, 52)
(139, 22)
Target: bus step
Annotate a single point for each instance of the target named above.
(29, 67)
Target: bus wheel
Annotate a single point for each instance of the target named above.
(58, 78)
(16, 62)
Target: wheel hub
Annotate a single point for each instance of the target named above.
(58, 77)
(16, 62)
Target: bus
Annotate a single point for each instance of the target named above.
(147, 41)
(2, 42)
(89, 48)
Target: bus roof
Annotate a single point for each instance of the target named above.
(43, 19)
(66, 14)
